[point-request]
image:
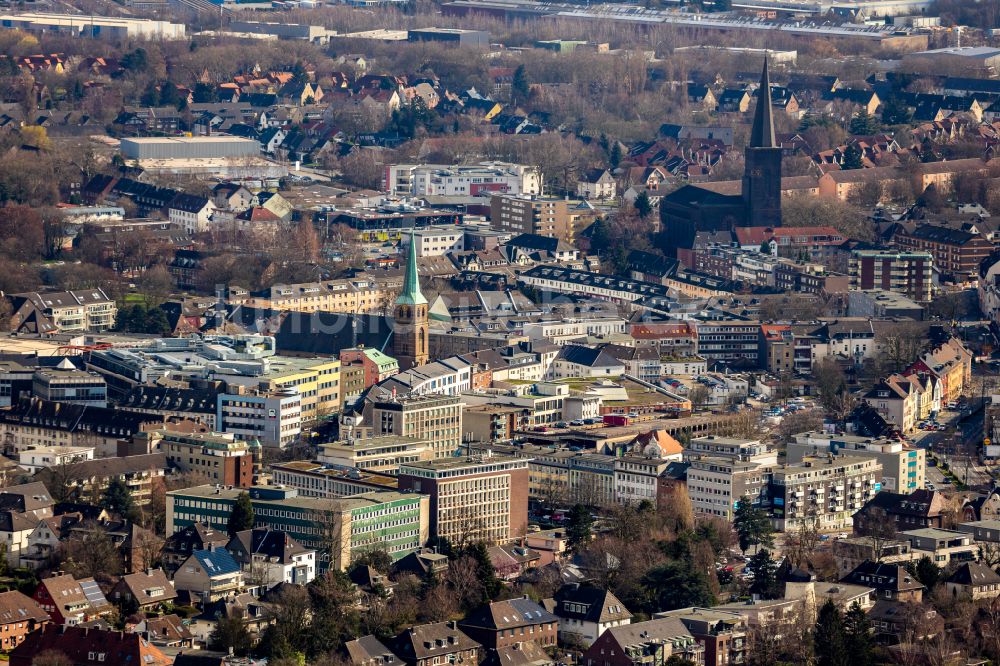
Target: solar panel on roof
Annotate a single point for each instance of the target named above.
(93, 593)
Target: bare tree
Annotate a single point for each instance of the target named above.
(880, 527)
(989, 553)
(801, 543)
(899, 344)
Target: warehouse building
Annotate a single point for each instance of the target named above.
(188, 148)
(454, 36)
(93, 26)
(316, 34)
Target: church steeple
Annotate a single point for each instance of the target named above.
(409, 342)
(762, 134)
(411, 294)
(762, 163)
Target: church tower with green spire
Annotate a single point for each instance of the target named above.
(409, 341)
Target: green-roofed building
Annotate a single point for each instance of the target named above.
(409, 342)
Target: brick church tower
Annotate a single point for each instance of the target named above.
(409, 341)
(762, 167)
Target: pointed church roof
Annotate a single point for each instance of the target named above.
(411, 283)
(762, 134)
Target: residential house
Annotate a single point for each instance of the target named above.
(586, 612)
(974, 581)
(896, 400)
(951, 364)
(701, 97)
(181, 544)
(21, 509)
(370, 651)
(145, 590)
(435, 643)
(20, 615)
(168, 631)
(596, 184)
(231, 196)
(649, 643)
(209, 575)
(943, 547)
(722, 633)
(503, 624)
(191, 212)
(919, 509)
(69, 601)
(866, 101)
(890, 581)
(734, 100)
(272, 557)
(44, 540)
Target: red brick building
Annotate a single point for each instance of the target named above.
(69, 601)
(89, 647)
(956, 252)
(19, 616)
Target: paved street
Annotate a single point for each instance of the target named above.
(957, 447)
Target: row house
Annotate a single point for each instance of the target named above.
(951, 364)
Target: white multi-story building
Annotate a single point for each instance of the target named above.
(724, 469)
(483, 179)
(566, 330)
(637, 478)
(38, 457)
(274, 418)
(435, 241)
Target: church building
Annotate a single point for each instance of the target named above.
(409, 338)
(691, 208)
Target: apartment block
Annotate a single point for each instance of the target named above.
(481, 497)
(904, 467)
(435, 241)
(731, 342)
(828, 489)
(955, 252)
(395, 522)
(221, 458)
(383, 454)
(475, 180)
(724, 469)
(272, 418)
(435, 419)
(63, 312)
(545, 216)
(354, 295)
(899, 271)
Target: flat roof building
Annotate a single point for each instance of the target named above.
(481, 497)
(340, 529)
(455, 36)
(188, 147)
(89, 25)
